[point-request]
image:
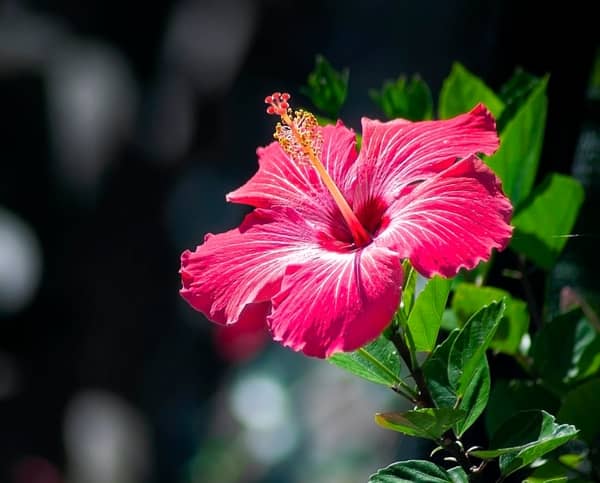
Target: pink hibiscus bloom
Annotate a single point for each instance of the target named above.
(319, 259)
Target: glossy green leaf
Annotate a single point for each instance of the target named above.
(458, 475)
(462, 91)
(326, 87)
(546, 218)
(516, 162)
(430, 423)
(580, 408)
(426, 316)
(558, 348)
(515, 93)
(408, 99)
(417, 471)
(510, 397)
(525, 437)
(376, 362)
(468, 298)
(435, 370)
(475, 398)
(470, 345)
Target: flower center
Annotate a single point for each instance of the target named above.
(300, 137)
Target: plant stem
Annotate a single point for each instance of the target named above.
(424, 400)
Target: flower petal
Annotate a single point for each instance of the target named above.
(231, 273)
(337, 302)
(400, 152)
(450, 221)
(281, 181)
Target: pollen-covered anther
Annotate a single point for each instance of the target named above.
(299, 135)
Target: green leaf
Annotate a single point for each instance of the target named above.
(470, 345)
(548, 473)
(541, 475)
(450, 320)
(435, 370)
(327, 88)
(410, 285)
(417, 471)
(589, 363)
(516, 162)
(558, 348)
(377, 362)
(510, 397)
(514, 324)
(408, 99)
(580, 407)
(458, 475)
(546, 218)
(525, 437)
(559, 470)
(515, 93)
(324, 121)
(475, 398)
(462, 91)
(426, 316)
(430, 423)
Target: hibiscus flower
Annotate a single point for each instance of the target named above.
(319, 259)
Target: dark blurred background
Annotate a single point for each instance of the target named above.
(125, 123)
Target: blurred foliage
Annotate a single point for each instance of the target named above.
(327, 88)
(408, 99)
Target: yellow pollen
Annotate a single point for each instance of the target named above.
(300, 137)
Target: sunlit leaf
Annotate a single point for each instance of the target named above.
(470, 345)
(443, 393)
(408, 99)
(426, 316)
(435, 370)
(545, 220)
(475, 397)
(462, 91)
(376, 362)
(417, 471)
(468, 298)
(524, 438)
(516, 162)
(430, 423)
